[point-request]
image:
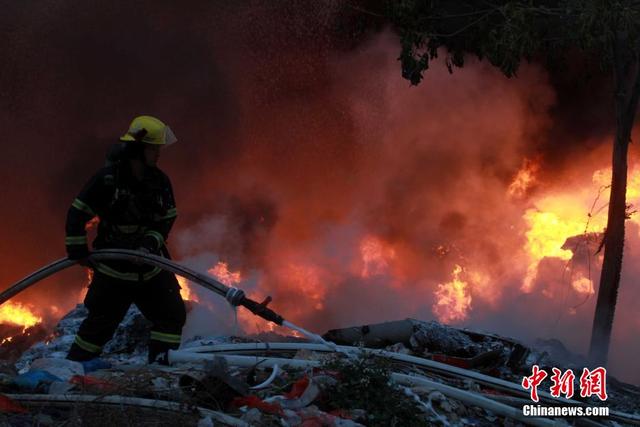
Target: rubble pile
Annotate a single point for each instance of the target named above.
(404, 373)
(19, 339)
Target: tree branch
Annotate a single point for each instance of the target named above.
(463, 29)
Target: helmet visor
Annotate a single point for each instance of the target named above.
(169, 136)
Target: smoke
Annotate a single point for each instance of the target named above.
(305, 161)
(424, 172)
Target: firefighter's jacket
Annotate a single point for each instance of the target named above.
(131, 214)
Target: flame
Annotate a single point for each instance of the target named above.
(583, 285)
(483, 286)
(221, 272)
(17, 314)
(548, 232)
(375, 257)
(185, 289)
(251, 324)
(85, 289)
(559, 216)
(93, 222)
(453, 299)
(602, 177)
(524, 179)
(546, 235)
(306, 279)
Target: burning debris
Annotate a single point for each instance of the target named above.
(407, 372)
(19, 329)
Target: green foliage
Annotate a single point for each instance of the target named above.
(507, 32)
(364, 383)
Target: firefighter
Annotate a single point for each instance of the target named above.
(134, 205)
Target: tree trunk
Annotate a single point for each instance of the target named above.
(627, 86)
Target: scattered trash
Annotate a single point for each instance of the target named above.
(60, 387)
(432, 337)
(95, 365)
(304, 392)
(298, 388)
(35, 380)
(486, 360)
(61, 368)
(266, 383)
(160, 384)
(11, 406)
(419, 373)
(87, 383)
(256, 402)
(205, 422)
(253, 416)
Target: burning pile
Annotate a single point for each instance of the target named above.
(434, 372)
(408, 373)
(471, 268)
(19, 329)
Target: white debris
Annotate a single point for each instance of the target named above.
(61, 368)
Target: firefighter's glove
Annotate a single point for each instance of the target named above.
(235, 296)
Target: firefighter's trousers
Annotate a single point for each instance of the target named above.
(108, 300)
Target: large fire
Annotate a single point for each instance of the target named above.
(351, 198)
(561, 225)
(323, 179)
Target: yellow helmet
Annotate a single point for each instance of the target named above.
(149, 130)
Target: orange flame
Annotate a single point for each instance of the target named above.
(251, 324)
(583, 285)
(85, 289)
(375, 256)
(93, 222)
(221, 272)
(453, 299)
(17, 314)
(185, 290)
(307, 279)
(524, 179)
(560, 216)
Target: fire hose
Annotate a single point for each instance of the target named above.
(258, 308)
